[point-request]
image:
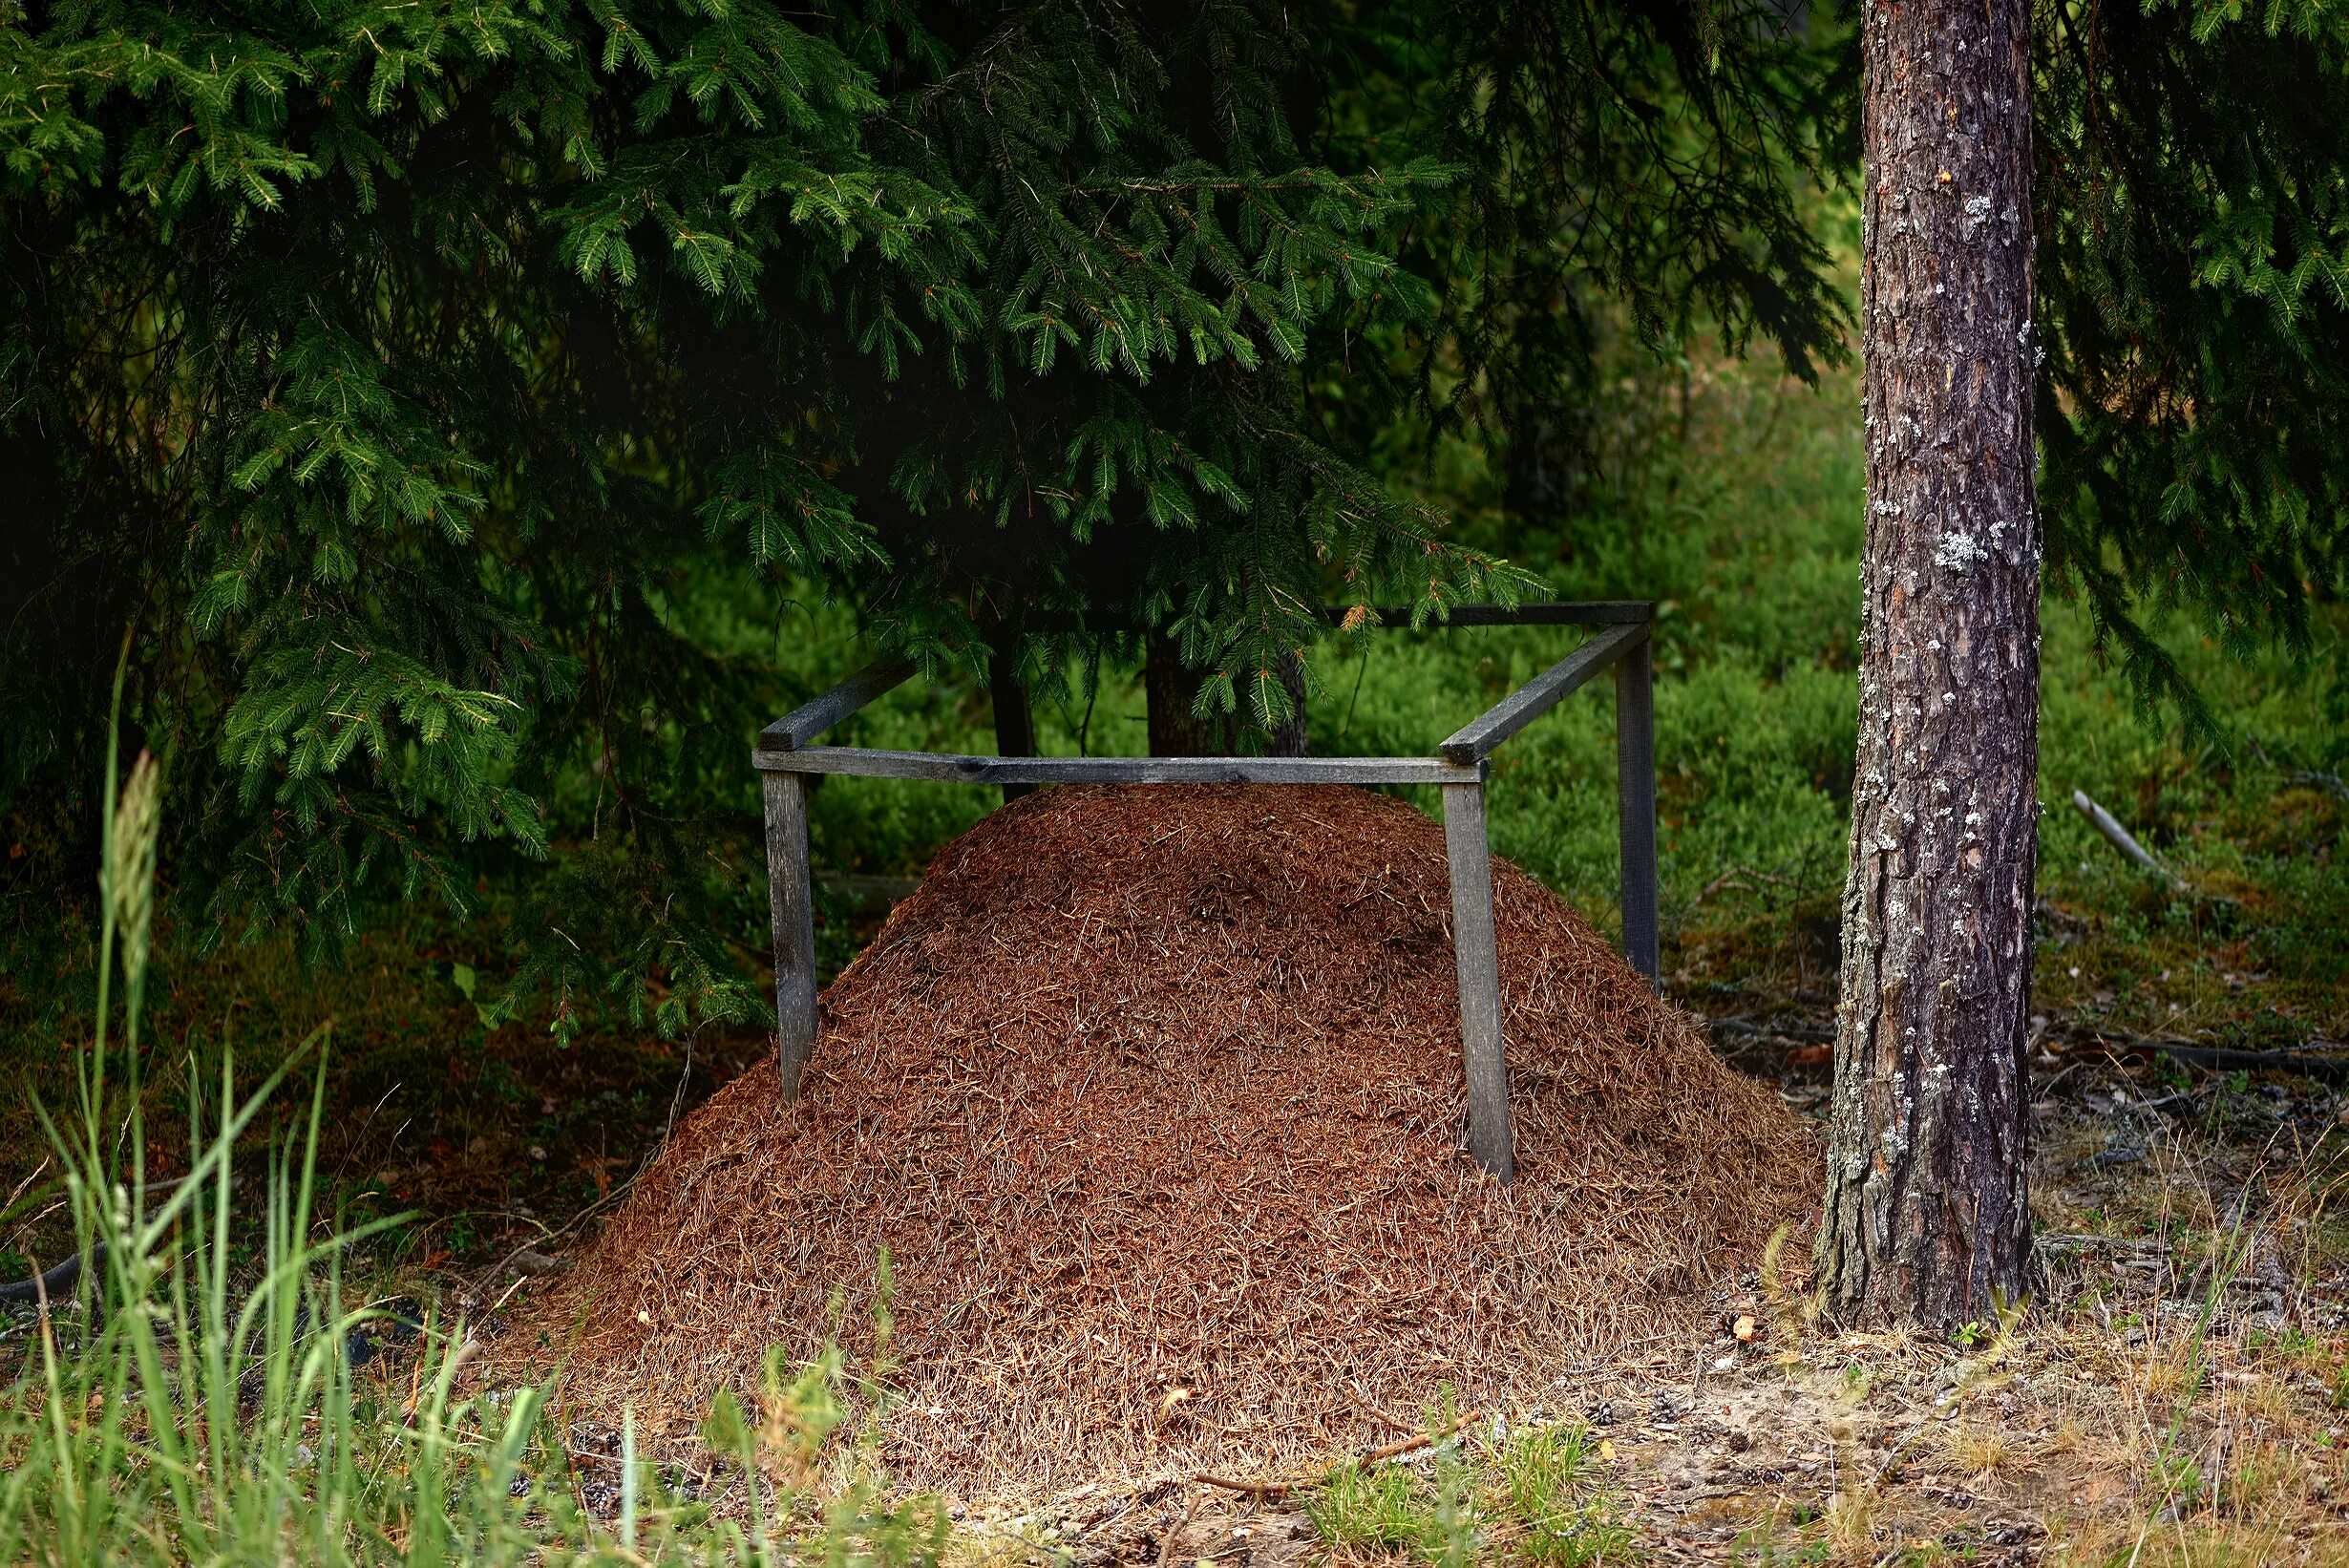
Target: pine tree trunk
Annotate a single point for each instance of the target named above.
(1015, 722)
(1926, 1215)
(1289, 738)
(1167, 687)
(1168, 690)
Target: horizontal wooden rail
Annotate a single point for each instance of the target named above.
(800, 726)
(786, 756)
(1475, 740)
(866, 763)
(1578, 612)
(812, 718)
(1545, 612)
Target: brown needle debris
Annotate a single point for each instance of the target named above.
(1158, 1089)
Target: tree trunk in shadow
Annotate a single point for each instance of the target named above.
(1015, 724)
(1169, 688)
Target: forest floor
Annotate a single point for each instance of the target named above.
(2173, 1391)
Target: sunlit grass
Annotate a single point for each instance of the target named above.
(1531, 1495)
(200, 1397)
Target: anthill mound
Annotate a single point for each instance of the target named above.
(1155, 1097)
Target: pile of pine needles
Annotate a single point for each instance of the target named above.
(1153, 1097)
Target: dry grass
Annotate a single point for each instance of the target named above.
(1155, 1096)
(1852, 1527)
(2170, 1396)
(1981, 1450)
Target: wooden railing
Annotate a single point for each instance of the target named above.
(786, 754)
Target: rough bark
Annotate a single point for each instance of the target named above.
(1169, 688)
(1926, 1217)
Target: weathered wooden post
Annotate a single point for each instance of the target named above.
(1635, 793)
(787, 755)
(790, 906)
(791, 910)
(1476, 960)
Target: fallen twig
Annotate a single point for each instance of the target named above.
(2117, 1243)
(1166, 1547)
(1377, 1455)
(547, 1238)
(2119, 836)
(464, 1357)
(2042, 1092)
(1735, 877)
(1258, 1489)
(2323, 1066)
(1748, 1029)
(2330, 783)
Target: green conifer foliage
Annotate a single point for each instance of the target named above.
(395, 367)
(2193, 187)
